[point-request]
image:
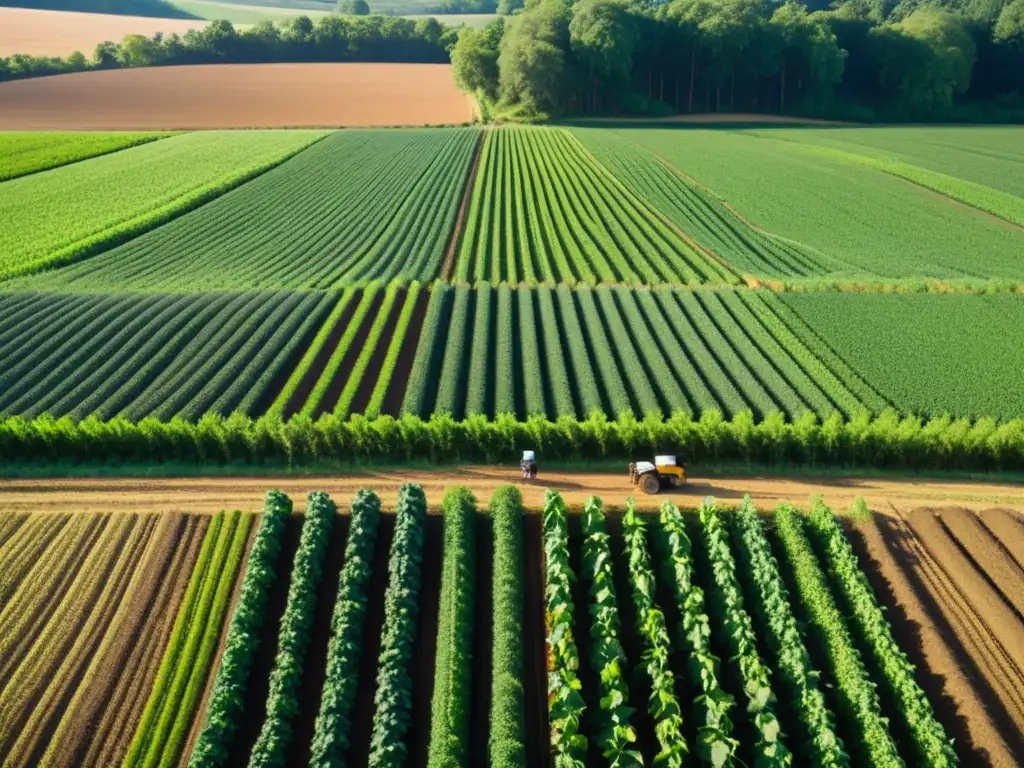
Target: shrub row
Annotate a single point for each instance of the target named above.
(507, 741)
(773, 609)
(225, 707)
(393, 700)
(453, 679)
(333, 723)
(271, 748)
(652, 628)
(607, 656)
(565, 702)
(883, 442)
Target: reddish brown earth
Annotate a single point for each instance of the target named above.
(236, 96)
(212, 494)
(958, 628)
(61, 33)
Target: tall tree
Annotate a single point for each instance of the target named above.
(603, 35)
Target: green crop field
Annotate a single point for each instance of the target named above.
(864, 218)
(784, 280)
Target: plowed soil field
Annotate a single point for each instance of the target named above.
(60, 33)
(952, 581)
(237, 96)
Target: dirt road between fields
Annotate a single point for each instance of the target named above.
(212, 494)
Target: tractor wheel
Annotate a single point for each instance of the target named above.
(650, 483)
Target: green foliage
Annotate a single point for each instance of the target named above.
(331, 737)
(776, 624)
(480, 386)
(294, 633)
(607, 656)
(78, 210)
(565, 702)
(450, 396)
(924, 351)
(453, 684)
(506, 743)
(652, 628)
(393, 700)
(882, 442)
(874, 634)
(530, 357)
(859, 706)
(225, 707)
(554, 231)
(398, 339)
(31, 152)
(357, 206)
(692, 636)
(728, 609)
(429, 353)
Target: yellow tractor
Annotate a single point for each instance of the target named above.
(653, 477)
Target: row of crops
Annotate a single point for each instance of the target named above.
(544, 210)
(570, 352)
(682, 638)
(355, 206)
(400, 348)
(366, 637)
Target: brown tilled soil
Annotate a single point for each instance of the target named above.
(212, 494)
(1007, 528)
(960, 632)
(406, 356)
(236, 96)
(123, 708)
(60, 33)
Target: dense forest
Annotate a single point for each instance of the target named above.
(864, 59)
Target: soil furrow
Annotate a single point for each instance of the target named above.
(964, 707)
(948, 584)
(988, 556)
(1008, 529)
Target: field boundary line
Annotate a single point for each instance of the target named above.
(459, 227)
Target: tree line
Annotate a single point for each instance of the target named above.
(860, 59)
(331, 38)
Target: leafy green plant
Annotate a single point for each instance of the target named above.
(225, 707)
(453, 684)
(728, 609)
(271, 747)
(607, 656)
(874, 633)
(565, 702)
(331, 736)
(692, 635)
(506, 743)
(652, 628)
(860, 708)
(393, 700)
(777, 625)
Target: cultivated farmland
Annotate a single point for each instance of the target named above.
(25, 153)
(81, 209)
(358, 205)
(201, 97)
(661, 635)
(543, 210)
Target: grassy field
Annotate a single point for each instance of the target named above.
(843, 207)
(25, 153)
(962, 351)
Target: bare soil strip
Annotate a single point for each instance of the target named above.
(535, 688)
(212, 494)
(403, 366)
(1008, 529)
(124, 708)
(61, 33)
(988, 556)
(963, 702)
(201, 97)
(966, 601)
(94, 695)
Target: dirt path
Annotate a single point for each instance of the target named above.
(212, 494)
(953, 683)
